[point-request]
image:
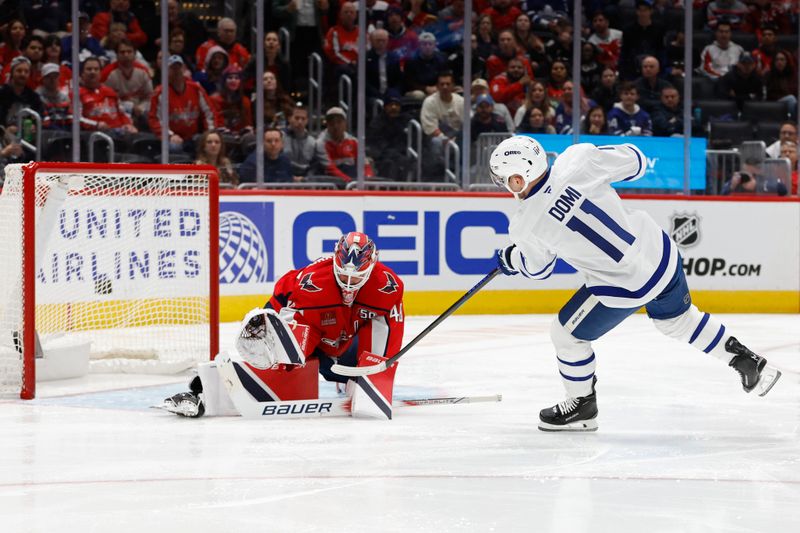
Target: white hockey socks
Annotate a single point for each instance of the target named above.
(576, 361)
(701, 330)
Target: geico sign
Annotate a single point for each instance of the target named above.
(428, 233)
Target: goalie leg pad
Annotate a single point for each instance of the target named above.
(214, 394)
(372, 395)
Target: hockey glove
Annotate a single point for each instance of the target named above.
(503, 257)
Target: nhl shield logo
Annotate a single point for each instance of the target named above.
(686, 230)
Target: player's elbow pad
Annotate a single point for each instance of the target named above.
(530, 270)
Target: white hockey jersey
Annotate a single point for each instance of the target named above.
(575, 214)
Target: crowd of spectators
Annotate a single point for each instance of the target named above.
(631, 84)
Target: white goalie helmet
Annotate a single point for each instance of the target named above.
(520, 155)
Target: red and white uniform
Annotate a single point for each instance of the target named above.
(376, 317)
(101, 106)
(236, 53)
(610, 47)
(341, 46)
(505, 91)
(190, 112)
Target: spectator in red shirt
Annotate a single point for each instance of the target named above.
(13, 36)
(231, 103)
(766, 50)
(402, 41)
(190, 109)
(226, 38)
(118, 12)
(336, 149)
(341, 41)
(33, 49)
(503, 14)
(509, 88)
(498, 63)
(102, 109)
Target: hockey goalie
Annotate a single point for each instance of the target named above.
(345, 309)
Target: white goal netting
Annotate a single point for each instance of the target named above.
(120, 258)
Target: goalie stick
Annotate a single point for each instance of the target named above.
(355, 371)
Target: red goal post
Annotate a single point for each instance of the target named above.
(117, 262)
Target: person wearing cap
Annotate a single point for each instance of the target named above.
(742, 83)
(485, 120)
(190, 109)
(130, 79)
(718, 57)
(226, 39)
(386, 139)
(89, 46)
(33, 49)
(383, 67)
(481, 87)
(102, 109)
(15, 95)
(422, 69)
(232, 104)
(337, 150)
(55, 101)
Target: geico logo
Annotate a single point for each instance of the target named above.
(297, 409)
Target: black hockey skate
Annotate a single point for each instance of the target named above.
(573, 414)
(185, 404)
(756, 374)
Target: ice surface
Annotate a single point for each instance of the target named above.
(680, 447)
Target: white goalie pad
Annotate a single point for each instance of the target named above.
(266, 340)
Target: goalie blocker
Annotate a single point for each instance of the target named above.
(270, 366)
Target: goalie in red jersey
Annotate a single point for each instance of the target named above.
(330, 311)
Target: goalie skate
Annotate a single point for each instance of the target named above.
(185, 404)
(573, 414)
(753, 369)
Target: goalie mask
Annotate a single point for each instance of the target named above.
(519, 155)
(354, 258)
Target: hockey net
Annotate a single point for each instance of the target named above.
(118, 260)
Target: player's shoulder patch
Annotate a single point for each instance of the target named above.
(391, 283)
(307, 284)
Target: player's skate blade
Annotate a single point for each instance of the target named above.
(573, 414)
(755, 373)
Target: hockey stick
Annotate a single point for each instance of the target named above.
(354, 371)
(326, 407)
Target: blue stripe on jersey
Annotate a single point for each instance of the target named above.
(699, 328)
(588, 207)
(619, 292)
(581, 378)
(577, 363)
(714, 343)
(576, 224)
(525, 265)
(539, 185)
(639, 157)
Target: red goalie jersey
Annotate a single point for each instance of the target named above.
(375, 318)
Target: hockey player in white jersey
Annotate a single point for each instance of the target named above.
(571, 211)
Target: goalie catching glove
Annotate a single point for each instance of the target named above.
(266, 340)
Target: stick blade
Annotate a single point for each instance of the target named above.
(356, 371)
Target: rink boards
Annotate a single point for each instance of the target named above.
(740, 254)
